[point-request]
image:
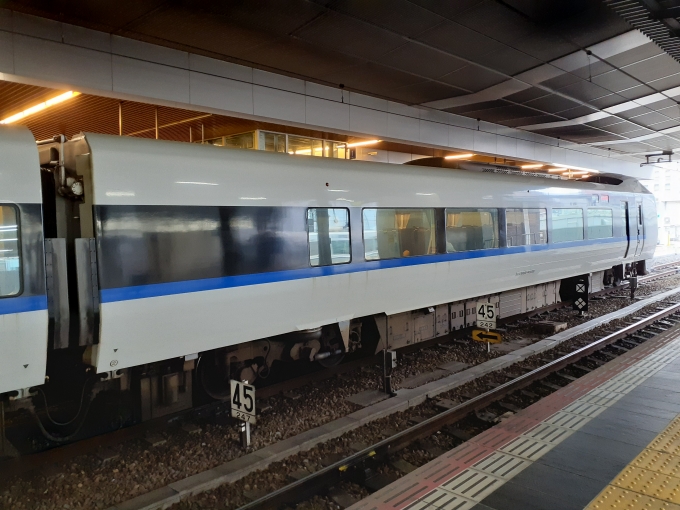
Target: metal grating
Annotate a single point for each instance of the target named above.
(637, 14)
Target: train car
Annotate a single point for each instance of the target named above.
(158, 268)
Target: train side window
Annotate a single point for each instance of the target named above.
(526, 226)
(397, 233)
(471, 229)
(10, 263)
(328, 235)
(567, 225)
(600, 223)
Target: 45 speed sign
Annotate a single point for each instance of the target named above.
(242, 401)
(486, 315)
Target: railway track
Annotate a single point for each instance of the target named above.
(37, 462)
(354, 467)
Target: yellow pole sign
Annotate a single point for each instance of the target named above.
(486, 336)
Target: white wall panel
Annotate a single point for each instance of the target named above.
(402, 109)
(365, 120)
(6, 53)
(506, 146)
(405, 128)
(367, 101)
(278, 81)
(434, 133)
(149, 52)
(279, 104)
(525, 149)
(6, 20)
(543, 152)
(329, 114)
(214, 67)
(132, 76)
(324, 92)
(36, 27)
(485, 142)
(221, 93)
(461, 138)
(464, 122)
(86, 38)
(435, 115)
(61, 63)
(557, 155)
(488, 127)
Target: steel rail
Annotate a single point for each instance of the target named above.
(326, 477)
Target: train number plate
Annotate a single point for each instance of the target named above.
(242, 401)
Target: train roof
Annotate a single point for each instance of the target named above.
(142, 171)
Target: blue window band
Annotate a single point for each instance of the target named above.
(226, 282)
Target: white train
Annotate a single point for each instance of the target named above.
(158, 264)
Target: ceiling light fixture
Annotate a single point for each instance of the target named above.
(459, 156)
(533, 165)
(361, 144)
(40, 107)
(576, 168)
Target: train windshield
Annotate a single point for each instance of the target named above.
(10, 276)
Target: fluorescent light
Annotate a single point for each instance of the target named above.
(120, 193)
(459, 156)
(425, 194)
(40, 107)
(576, 167)
(360, 144)
(532, 166)
(198, 183)
(252, 198)
(555, 169)
(339, 190)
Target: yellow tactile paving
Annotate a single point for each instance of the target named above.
(669, 440)
(651, 480)
(649, 483)
(617, 498)
(660, 462)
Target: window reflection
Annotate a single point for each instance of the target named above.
(10, 276)
(600, 223)
(567, 225)
(526, 226)
(328, 236)
(471, 229)
(398, 233)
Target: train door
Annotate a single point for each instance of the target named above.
(23, 303)
(639, 229)
(626, 225)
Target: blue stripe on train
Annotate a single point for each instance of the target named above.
(22, 304)
(184, 287)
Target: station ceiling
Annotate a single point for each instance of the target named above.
(500, 61)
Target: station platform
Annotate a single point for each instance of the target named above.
(609, 440)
